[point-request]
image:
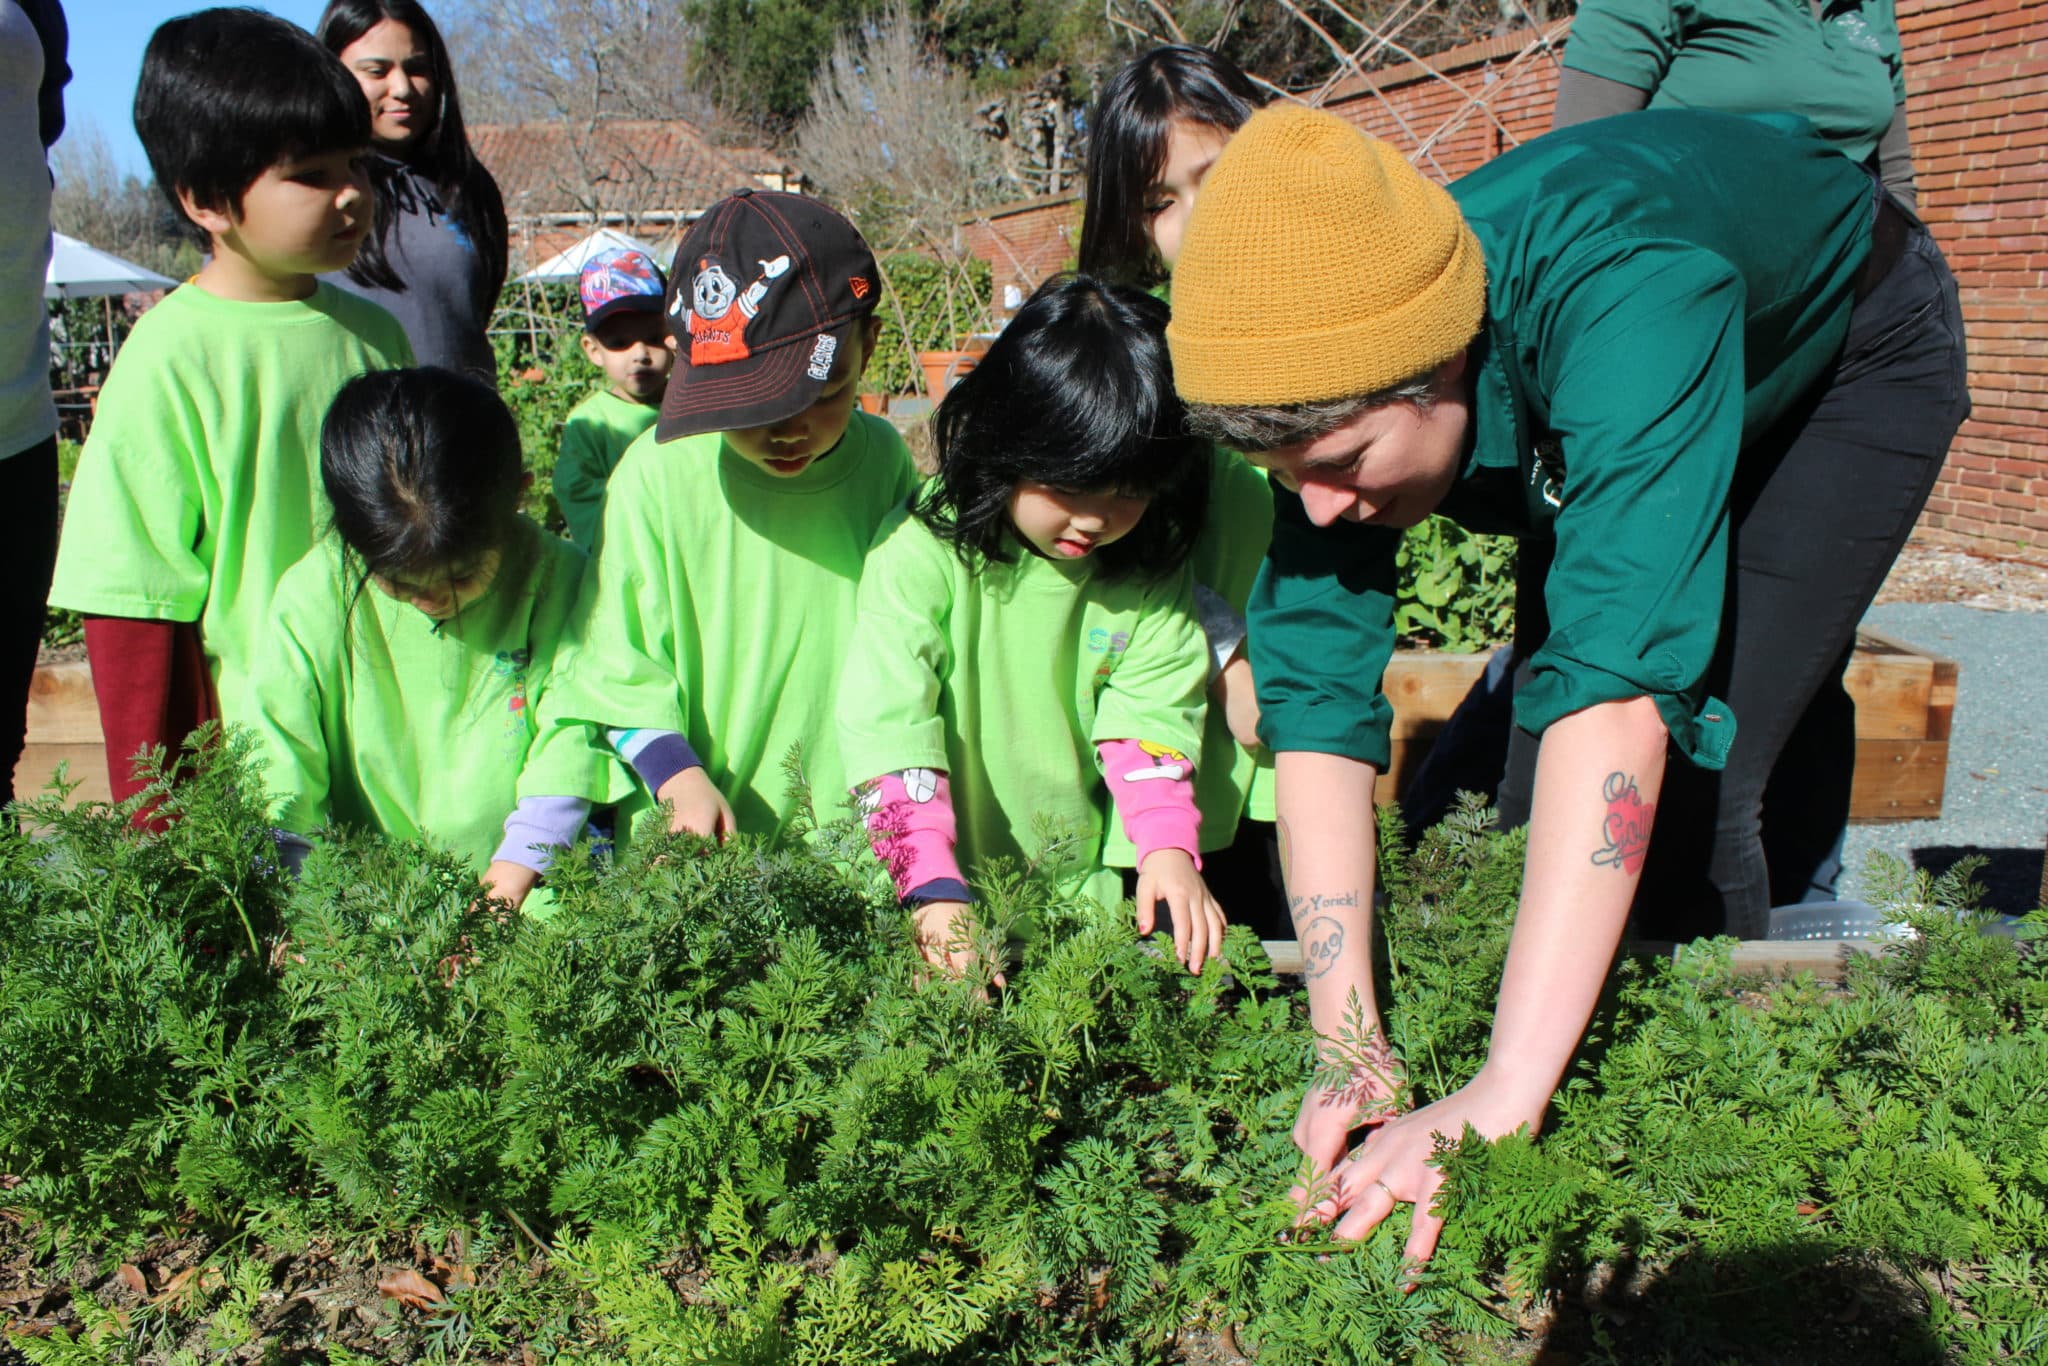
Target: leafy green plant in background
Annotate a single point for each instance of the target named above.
(542, 374)
(928, 304)
(708, 1110)
(1457, 587)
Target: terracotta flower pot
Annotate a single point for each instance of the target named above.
(941, 368)
(873, 403)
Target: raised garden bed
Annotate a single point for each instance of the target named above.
(1905, 699)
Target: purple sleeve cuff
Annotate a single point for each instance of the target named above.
(938, 889)
(656, 755)
(538, 826)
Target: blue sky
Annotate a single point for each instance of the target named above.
(107, 38)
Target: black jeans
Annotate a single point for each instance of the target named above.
(28, 553)
(1820, 508)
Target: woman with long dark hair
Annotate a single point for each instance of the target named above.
(436, 257)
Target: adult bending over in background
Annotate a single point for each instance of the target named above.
(1699, 352)
(436, 254)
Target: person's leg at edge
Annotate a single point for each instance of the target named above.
(28, 555)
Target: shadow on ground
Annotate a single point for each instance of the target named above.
(1771, 1307)
(2011, 878)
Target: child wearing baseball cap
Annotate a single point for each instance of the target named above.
(719, 611)
(623, 336)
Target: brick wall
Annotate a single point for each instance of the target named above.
(1977, 103)
(1977, 106)
(1024, 243)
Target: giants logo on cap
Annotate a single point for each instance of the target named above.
(719, 311)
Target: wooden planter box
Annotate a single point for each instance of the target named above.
(1826, 959)
(1904, 701)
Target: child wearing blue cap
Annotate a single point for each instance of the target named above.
(623, 336)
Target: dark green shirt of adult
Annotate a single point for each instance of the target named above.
(1836, 63)
(1660, 291)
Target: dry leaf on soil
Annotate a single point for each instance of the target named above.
(410, 1289)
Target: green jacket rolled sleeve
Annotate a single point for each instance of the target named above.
(1322, 630)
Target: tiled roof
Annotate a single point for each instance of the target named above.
(634, 166)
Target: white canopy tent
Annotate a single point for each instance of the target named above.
(79, 270)
(568, 263)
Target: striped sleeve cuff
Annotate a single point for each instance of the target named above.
(655, 755)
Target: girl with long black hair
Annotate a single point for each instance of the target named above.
(436, 255)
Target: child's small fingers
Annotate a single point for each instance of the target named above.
(1148, 915)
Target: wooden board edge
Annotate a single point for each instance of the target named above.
(1824, 958)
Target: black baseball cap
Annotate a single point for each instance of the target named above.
(767, 287)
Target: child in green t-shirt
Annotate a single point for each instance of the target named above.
(1027, 632)
(406, 653)
(712, 627)
(622, 291)
(198, 486)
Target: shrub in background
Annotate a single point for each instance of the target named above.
(928, 304)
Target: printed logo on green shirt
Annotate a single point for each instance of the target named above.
(512, 664)
(1111, 646)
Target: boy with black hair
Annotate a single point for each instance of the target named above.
(716, 617)
(199, 482)
(623, 336)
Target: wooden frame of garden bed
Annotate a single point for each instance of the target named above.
(1905, 702)
(1826, 959)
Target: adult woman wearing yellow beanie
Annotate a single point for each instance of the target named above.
(1705, 357)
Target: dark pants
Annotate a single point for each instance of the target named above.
(1820, 508)
(28, 553)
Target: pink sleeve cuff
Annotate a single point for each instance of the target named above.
(910, 823)
(1154, 792)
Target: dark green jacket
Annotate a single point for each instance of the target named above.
(1838, 65)
(1661, 289)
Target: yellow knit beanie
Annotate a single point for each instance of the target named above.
(1318, 264)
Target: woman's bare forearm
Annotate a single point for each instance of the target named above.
(1325, 814)
(1598, 778)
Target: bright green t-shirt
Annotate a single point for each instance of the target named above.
(371, 714)
(1007, 677)
(1230, 780)
(200, 482)
(722, 605)
(594, 437)
(1838, 65)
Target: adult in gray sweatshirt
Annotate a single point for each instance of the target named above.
(436, 257)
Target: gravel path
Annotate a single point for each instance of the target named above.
(1996, 800)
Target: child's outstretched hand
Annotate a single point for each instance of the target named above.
(1170, 875)
(942, 937)
(700, 808)
(508, 881)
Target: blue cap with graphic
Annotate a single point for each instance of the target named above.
(621, 280)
